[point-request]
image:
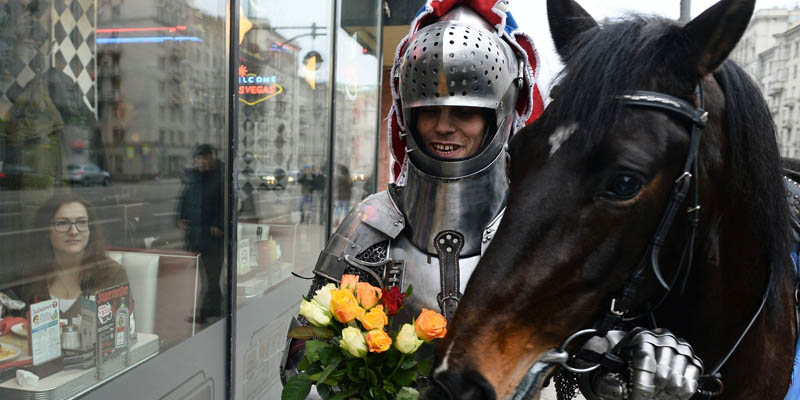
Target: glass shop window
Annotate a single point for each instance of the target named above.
(110, 229)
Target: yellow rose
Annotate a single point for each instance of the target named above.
(316, 314)
(374, 318)
(353, 342)
(430, 325)
(323, 295)
(344, 306)
(367, 295)
(407, 340)
(378, 341)
(349, 282)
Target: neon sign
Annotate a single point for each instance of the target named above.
(254, 88)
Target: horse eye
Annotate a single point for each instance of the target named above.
(624, 186)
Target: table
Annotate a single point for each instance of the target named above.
(72, 382)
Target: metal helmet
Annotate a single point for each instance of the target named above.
(458, 61)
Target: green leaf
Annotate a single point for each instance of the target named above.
(392, 358)
(409, 290)
(302, 332)
(389, 386)
(297, 388)
(313, 347)
(329, 355)
(303, 364)
(323, 333)
(408, 364)
(404, 377)
(324, 391)
(407, 393)
(424, 367)
(352, 370)
(329, 370)
(345, 394)
(373, 377)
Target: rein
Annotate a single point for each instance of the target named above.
(625, 301)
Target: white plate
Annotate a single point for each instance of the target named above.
(19, 329)
(10, 356)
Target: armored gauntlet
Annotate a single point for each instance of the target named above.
(658, 365)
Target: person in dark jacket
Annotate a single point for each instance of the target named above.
(200, 217)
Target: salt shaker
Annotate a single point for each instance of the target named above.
(70, 337)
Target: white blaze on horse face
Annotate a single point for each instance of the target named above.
(443, 366)
(560, 135)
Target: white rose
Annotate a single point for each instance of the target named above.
(407, 340)
(353, 342)
(323, 295)
(315, 314)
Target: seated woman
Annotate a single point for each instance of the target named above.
(67, 255)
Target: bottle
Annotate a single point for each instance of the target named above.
(121, 327)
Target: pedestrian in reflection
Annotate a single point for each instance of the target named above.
(67, 255)
(307, 183)
(343, 193)
(200, 216)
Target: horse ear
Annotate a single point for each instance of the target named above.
(715, 32)
(567, 20)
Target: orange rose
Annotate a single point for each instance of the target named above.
(430, 325)
(378, 341)
(374, 319)
(344, 306)
(367, 295)
(349, 282)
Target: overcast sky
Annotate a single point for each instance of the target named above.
(532, 18)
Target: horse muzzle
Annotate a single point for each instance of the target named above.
(470, 384)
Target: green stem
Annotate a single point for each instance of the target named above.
(399, 363)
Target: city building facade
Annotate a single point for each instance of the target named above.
(770, 52)
(204, 150)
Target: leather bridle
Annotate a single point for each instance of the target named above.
(710, 384)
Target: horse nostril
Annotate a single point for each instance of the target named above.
(461, 385)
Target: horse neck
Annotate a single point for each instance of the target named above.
(725, 288)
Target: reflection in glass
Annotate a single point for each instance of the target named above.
(284, 98)
(357, 94)
(105, 100)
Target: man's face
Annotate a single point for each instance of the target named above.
(451, 131)
(202, 162)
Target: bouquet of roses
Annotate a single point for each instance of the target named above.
(350, 350)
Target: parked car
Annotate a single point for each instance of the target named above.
(272, 178)
(11, 175)
(87, 174)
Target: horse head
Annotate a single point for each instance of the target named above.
(591, 180)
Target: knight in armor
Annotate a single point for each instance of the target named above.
(462, 84)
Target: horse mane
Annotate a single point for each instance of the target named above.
(637, 52)
(754, 165)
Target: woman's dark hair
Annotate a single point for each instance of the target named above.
(42, 250)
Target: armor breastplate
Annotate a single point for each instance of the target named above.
(423, 272)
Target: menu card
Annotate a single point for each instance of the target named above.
(113, 320)
(45, 332)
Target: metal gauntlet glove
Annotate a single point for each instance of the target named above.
(659, 366)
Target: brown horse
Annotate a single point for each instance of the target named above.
(591, 180)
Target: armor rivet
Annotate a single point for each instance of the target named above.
(455, 240)
(449, 249)
(449, 237)
(396, 224)
(352, 246)
(339, 259)
(441, 241)
(489, 238)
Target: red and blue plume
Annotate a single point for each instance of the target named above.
(529, 105)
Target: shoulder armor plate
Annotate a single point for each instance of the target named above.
(374, 220)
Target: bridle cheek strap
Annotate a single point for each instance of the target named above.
(698, 118)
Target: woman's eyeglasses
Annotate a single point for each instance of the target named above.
(64, 225)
